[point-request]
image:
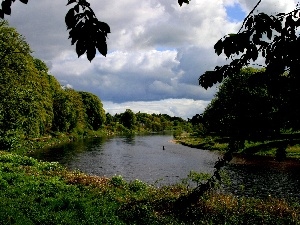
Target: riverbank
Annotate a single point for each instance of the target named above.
(34, 192)
(28, 146)
(263, 148)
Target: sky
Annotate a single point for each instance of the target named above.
(156, 49)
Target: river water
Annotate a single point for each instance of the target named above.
(156, 159)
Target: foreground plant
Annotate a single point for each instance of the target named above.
(33, 192)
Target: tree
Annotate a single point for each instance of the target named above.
(93, 107)
(24, 90)
(86, 31)
(274, 38)
(244, 108)
(68, 111)
(128, 119)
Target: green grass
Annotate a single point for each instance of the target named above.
(266, 148)
(33, 192)
(40, 193)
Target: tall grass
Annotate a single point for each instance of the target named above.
(33, 192)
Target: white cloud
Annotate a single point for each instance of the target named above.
(157, 50)
(269, 6)
(184, 108)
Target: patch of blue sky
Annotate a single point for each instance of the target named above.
(235, 13)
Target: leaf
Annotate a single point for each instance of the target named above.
(269, 34)
(104, 27)
(102, 48)
(80, 48)
(217, 175)
(76, 8)
(24, 1)
(6, 7)
(91, 52)
(249, 22)
(180, 2)
(253, 53)
(219, 47)
(1, 14)
(70, 18)
(71, 1)
(280, 14)
(289, 22)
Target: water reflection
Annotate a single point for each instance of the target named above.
(143, 157)
(139, 157)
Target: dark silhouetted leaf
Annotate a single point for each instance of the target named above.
(6, 7)
(90, 53)
(70, 18)
(249, 22)
(102, 48)
(104, 27)
(80, 48)
(24, 1)
(180, 2)
(76, 8)
(219, 47)
(71, 1)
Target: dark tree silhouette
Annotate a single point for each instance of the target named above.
(85, 30)
(276, 39)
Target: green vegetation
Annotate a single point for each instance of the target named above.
(130, 122)
(35, 192)
(33, 104)
(217, 143)
(247, 117)
(36, 111)
(255, 111)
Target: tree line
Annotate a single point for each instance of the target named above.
(129, 121)
(33, 104)
(250, 106)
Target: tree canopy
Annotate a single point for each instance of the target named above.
(244, 108)
(32, 102)
(272, 37)
(268, 94)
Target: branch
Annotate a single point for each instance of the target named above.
(249, 15)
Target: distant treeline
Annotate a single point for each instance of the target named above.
(33, 104)
(143, 122)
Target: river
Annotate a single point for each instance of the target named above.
(157, 160)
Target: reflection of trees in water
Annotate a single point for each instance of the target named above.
(129, 139)
(67, 151)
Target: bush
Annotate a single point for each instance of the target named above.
(137, 185)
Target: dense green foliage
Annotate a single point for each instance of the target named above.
(33, 192)
(242, 107)
(272, 37)
(95, 114)
(246, 107)
(33, 104)
(144, 122)
(264, 102)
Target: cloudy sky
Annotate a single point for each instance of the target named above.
(157, 50)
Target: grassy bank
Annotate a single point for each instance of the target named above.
(267, 148)
(54, 139)
(33, 192)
